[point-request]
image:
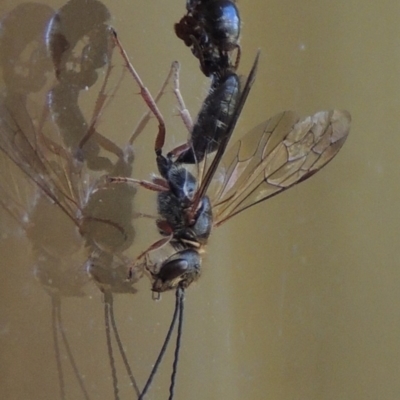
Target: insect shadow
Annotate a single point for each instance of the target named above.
(57, 159)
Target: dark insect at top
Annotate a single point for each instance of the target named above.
(211, 28)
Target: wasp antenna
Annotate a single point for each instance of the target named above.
(180, 295)
(165, 344)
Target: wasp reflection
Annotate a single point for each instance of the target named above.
(53, 160)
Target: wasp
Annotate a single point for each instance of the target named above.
(274, 156)
(192, 201)
(271, 158)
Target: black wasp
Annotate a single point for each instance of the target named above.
(211, 28)
(271, 158)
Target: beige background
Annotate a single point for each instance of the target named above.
(299, 297)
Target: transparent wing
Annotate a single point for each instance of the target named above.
(276, 155)
(40, 159)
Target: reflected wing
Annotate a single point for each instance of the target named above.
(43, 161)
(276, 155)
(64, 180)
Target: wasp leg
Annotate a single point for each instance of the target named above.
(145, 93)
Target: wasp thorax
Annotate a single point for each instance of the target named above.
(182, 184)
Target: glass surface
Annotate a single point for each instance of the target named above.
(298, 295)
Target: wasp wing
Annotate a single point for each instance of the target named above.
(276, 155)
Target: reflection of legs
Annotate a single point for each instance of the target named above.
(109, 319)
(101, 103)
(102, 98)
(58, 329)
